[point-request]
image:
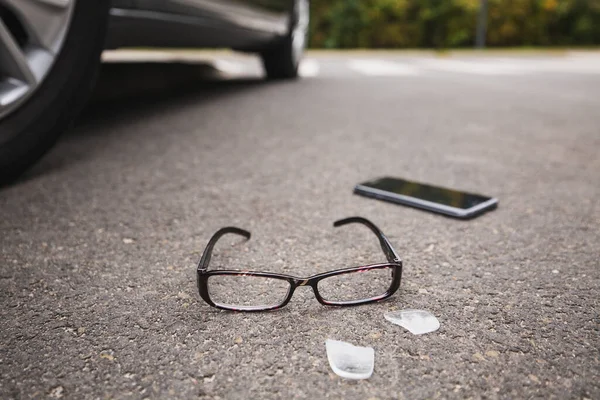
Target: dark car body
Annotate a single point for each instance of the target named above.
(247, 25)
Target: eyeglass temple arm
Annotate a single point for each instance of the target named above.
(386, 246)
(205, 260)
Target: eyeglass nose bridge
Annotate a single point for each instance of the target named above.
(308, 282)
(302, 282)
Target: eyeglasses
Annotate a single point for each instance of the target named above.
(262, 291)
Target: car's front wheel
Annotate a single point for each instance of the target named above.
(49, 56)
(282, 60)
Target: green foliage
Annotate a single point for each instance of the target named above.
(452, 23)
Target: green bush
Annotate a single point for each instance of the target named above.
(452, 23)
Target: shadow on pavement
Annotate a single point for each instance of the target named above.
(135, 90)
(127, 83)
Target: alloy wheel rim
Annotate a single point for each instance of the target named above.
(32, 34)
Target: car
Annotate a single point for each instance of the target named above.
(50, 54)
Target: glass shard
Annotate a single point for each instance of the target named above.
(417, 322)
(349, 361)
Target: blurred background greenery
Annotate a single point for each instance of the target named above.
(452, 23)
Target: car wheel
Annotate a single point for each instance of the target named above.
(282, 60)
(49, 56)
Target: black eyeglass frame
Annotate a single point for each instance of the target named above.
(394, 263)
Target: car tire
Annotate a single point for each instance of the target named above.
(31, 129)
(282, 60)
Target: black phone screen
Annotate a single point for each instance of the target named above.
(434, 194)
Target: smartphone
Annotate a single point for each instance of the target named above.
(450, 202)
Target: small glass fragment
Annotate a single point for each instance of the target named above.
(417, 322)
(349, 361)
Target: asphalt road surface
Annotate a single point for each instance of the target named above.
(99, 241)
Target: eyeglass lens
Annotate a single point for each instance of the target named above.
(246, 292)
(354, 286)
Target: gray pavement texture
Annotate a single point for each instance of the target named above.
(99, 241)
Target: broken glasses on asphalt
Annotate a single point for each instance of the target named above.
(261, 291)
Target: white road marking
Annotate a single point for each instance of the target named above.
(517, 66)
(489, 67)
(117, 56)
(375, 67)
(308, 67)
(229, 67)
(570, 65)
